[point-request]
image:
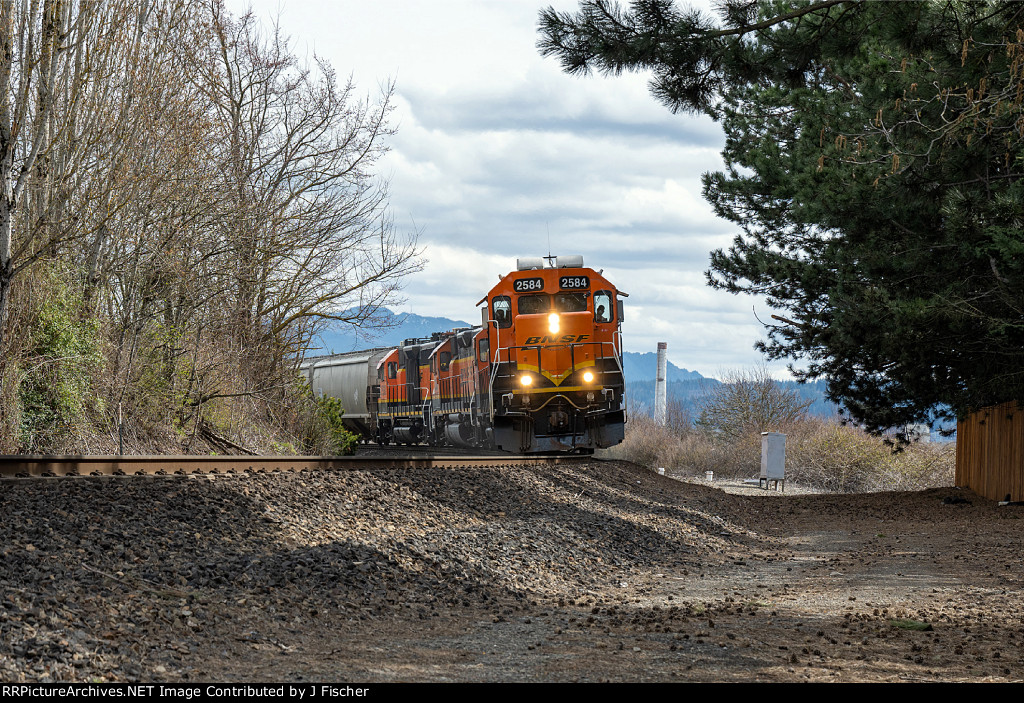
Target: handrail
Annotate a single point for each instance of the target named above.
(494, 365)
(539, 348)
(617, 355)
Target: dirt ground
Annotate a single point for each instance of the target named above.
(898, 587)
(921, 587)
(653, 579)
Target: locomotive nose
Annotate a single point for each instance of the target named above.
(554, 344)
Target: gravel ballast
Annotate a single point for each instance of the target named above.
(596, 571)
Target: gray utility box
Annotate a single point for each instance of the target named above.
(773, 459)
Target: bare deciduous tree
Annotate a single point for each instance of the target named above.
(34, 41)
(749, 401)
(206, 199)
(307, 230)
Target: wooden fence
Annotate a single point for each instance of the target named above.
(990, 452)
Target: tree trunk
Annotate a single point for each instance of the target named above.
(6, 274)
(6, 165)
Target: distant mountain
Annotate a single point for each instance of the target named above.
(688, 388)
(815, 392)
(404, 325)
(644, 367)
(690, 393)
(640, 394)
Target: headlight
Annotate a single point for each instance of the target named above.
(588, 376)
(525, 380)
(553, 323)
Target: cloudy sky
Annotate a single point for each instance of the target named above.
(497, 149)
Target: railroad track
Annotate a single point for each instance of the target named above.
(24, 466)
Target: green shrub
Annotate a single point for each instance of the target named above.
(63, 356)
(341, 441)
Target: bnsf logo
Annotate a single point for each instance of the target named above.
(564, 339)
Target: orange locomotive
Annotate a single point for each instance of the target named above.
(543, 373)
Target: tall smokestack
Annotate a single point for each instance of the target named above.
(661, 386)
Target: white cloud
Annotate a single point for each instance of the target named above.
(497, 150)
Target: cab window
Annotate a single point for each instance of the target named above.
(570, 302)
(501, 310)
(392, 369)
(603, 306)
(483, 350)
(533, 304)
(446, 360)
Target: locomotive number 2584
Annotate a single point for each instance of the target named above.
(528, 284)
(573, 282)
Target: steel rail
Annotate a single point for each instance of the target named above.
(28, 466)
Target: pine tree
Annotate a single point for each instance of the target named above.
(873, 166)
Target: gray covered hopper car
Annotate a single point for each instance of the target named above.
(347, 377)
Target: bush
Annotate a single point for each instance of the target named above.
(833, 457)
(63, 356)
(649, 444)
(819, 454)
(340, 440)
(845, 459)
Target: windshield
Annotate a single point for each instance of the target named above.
(533, 304)
(570, 302)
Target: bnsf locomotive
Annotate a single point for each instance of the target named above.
(543, 372)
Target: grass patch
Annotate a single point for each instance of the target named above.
(820, 454)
